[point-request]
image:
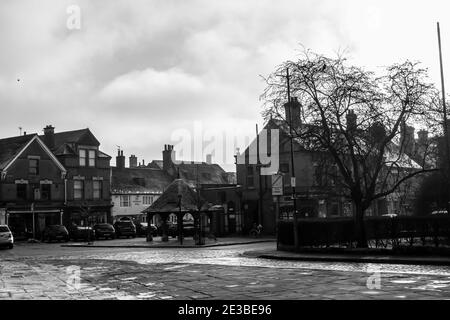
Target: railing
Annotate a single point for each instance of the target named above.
(381, 232)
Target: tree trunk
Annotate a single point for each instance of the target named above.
(360, 229)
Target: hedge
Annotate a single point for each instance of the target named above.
(341, 231)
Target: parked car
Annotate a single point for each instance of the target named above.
(55, 232)
(390, 215)
(126, 219)
(6, 237)
(81, 233)
(142, 229)
(439, 212)
(125, 228)
(104, 230)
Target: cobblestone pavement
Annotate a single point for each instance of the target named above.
(52, 272)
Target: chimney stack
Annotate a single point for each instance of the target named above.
(407, 138)
(133, 161)
(120, 160)
(351, 120)
(292, 111)
(49, 137)
(423, 137)
(169, 159)
(209, 159)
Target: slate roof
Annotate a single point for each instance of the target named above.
(10, 147)
(64, 142)
(202, 173)
(72, 136)
(196, 172)
(169, 201)
(139, 180)
(392, 151)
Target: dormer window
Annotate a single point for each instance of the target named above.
(82, 154)
(87, 158)
(91, 158)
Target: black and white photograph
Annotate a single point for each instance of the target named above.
(220, 156)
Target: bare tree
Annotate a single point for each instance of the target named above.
(356, 118)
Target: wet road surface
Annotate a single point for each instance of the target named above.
(49, 271)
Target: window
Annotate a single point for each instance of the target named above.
(250, 179)
(148, 200)
(125, 201)
(82, 154)
(46, 190)
(97, 187)
(33, 166)
(78, 189)
(21, 191)
(91, 158)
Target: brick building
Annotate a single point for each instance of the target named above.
(32, 185)
(318, 194)
(88, 179)
(53, 179)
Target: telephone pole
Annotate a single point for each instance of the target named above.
(444, 109)
(293, 179)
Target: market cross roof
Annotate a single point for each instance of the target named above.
(178, 196)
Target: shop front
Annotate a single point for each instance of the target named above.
(27, 224)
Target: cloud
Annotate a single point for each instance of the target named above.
(138, 70)
(151, 86)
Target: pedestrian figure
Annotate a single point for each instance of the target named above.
(256, 230)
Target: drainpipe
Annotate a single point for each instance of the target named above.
(65, 191)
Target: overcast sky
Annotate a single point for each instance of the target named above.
(138, 71)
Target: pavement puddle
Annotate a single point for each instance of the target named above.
(371, 292)
(154, 284)
(403, 281)
(177, 267)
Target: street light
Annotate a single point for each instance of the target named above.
(180, 220)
